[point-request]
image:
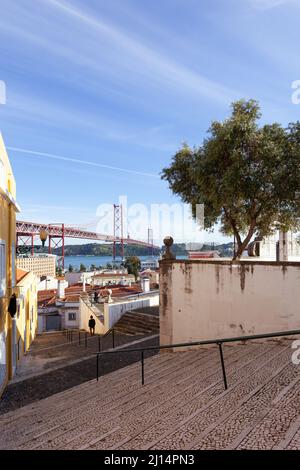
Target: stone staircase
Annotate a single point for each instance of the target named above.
(136, 323)
(183, 405)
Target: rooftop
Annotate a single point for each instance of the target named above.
(20, 274)
(46, 298)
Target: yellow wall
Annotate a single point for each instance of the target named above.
(27, 316)
(8, 209)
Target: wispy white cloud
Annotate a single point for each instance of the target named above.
(146, 60)
(269, 4)
(80, 162)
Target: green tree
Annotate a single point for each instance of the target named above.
(93, 267)
(247, 177)
(71, 269)
(82, 268)
(133, 265)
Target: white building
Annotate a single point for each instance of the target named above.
(151, 263)
(41, 265)
(49, 282)
(283, 246)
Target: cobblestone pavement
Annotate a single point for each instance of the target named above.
(183, 405)
(50, 351)
(55, 365)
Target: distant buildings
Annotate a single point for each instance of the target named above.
(8, 289)
(60, 308)
(283, 246)
(152, 275)
(150, 263)
(203, 254)
(105, 279)
(41, 265)
(100, 277)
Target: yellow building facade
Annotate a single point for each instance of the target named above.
(8, 210)
(24, 327)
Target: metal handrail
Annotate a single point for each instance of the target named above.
(68, 332)
(219, 342)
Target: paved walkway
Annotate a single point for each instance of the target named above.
(54, 365)
(183, 405)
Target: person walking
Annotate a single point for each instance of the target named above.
(92, 325)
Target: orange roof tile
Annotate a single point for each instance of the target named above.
(20, 274)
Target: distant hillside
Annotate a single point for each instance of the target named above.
(225, 249)
(101, 249)
(98, 249)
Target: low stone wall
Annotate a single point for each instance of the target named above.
(203, 299)
(114, 311)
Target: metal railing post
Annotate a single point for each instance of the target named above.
(71, 336)
(143, 371)
(223, 365)
(113, 338)
(99, 343)
(86, 339)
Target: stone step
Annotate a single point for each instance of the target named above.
(113, 381)
(197, 428)
(207, 404)
(183, 405)
(131, 404)
(274, 421)
(156, 373)
(135, 323)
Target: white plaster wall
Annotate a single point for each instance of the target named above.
(73, 278)
(202, 300)
(113, 312)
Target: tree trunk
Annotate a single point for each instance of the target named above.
(242, 245)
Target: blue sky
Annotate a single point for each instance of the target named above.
(101, 94)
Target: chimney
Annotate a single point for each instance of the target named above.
(146, 284)
(61, 289)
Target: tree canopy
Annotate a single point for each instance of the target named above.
(133, 265)
(246, 175)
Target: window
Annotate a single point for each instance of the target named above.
(2, 268)
(72, 316)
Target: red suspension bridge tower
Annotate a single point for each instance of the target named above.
(118, 230)
(57, 240)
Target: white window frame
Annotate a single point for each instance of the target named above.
(2, 268)
(72, 313)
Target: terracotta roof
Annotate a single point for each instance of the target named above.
(113, 275)
(46, 297)
(203, 254)
(20, 274)
(72, 298)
